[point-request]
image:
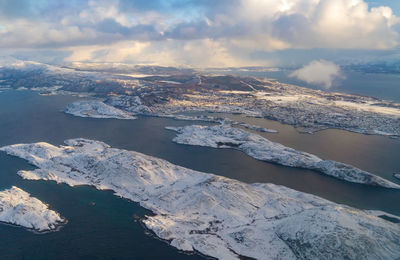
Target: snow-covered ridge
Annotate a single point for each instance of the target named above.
(17, 207)
(258, 147)
(7, 61)
(217, 216)
(18, 64)
(96, 109)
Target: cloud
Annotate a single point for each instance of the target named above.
(318, 72)
(195, 53)
(238, 29)
(306, 24)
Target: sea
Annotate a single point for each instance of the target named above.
(103, 226)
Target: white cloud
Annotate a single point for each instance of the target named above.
(318, 72)
(318, 24)
(221, 33)
(194, 53)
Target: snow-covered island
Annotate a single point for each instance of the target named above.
(258, 147)
(214, 215)
(17, 207)
(96, 109)
(397, 175)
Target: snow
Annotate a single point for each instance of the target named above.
(170, 82)
(366, 106)
(258, 128)
(282, 99)
(17, 207)
(11, 62)
(258, 147)
(8, 61)
(214, 215)
(96, 109)
(397, 175)
(370, 107)
(381, 132)
(240, 92)
(124, 107)
(131, 104)
(308, 110)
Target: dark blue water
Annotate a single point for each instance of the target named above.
(100, 225)
(107, 229)
(380, 85)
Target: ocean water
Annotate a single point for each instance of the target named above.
(101, 226)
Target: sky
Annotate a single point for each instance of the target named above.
(201, 33)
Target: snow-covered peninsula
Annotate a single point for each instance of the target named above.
(17, 207)
(214, 215)
(96, 109)
(258, 147)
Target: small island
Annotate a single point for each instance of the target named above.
(17, 207)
